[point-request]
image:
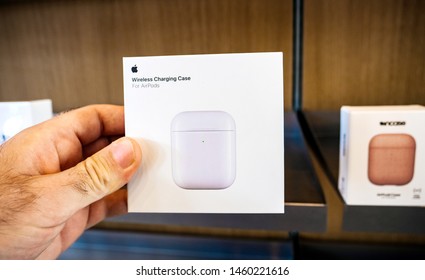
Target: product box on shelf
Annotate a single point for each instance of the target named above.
(382, 155)
(18, 115)
(211, 132)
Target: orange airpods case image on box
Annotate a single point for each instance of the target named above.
(391, 159)
(382, 154)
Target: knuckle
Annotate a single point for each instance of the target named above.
(95, 176)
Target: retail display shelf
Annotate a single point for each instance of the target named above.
(305, 206)
(325, 127)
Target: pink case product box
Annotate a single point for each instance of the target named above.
(382, 155)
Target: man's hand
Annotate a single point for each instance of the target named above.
(62, 176)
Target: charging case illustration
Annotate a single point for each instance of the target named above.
(391, 159)
(203, 149)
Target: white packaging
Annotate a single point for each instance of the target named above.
(382, 155)
(211, 132)
(16, 116)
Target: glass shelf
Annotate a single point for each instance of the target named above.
(305, 207)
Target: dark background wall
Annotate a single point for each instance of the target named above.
(356, 52)
(71, 51)
(361, 52)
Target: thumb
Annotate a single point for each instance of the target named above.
(99, 175)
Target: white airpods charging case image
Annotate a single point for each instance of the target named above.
(203, 150)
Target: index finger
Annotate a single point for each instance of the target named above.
(94, 121)
(59, 143)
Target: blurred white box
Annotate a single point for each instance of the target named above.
(16, 116)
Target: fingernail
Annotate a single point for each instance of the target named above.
(123, 152)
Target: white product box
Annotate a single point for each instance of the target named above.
(16, 116)
(211, 132)
(382, 155)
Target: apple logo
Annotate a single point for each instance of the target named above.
(134, 69)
